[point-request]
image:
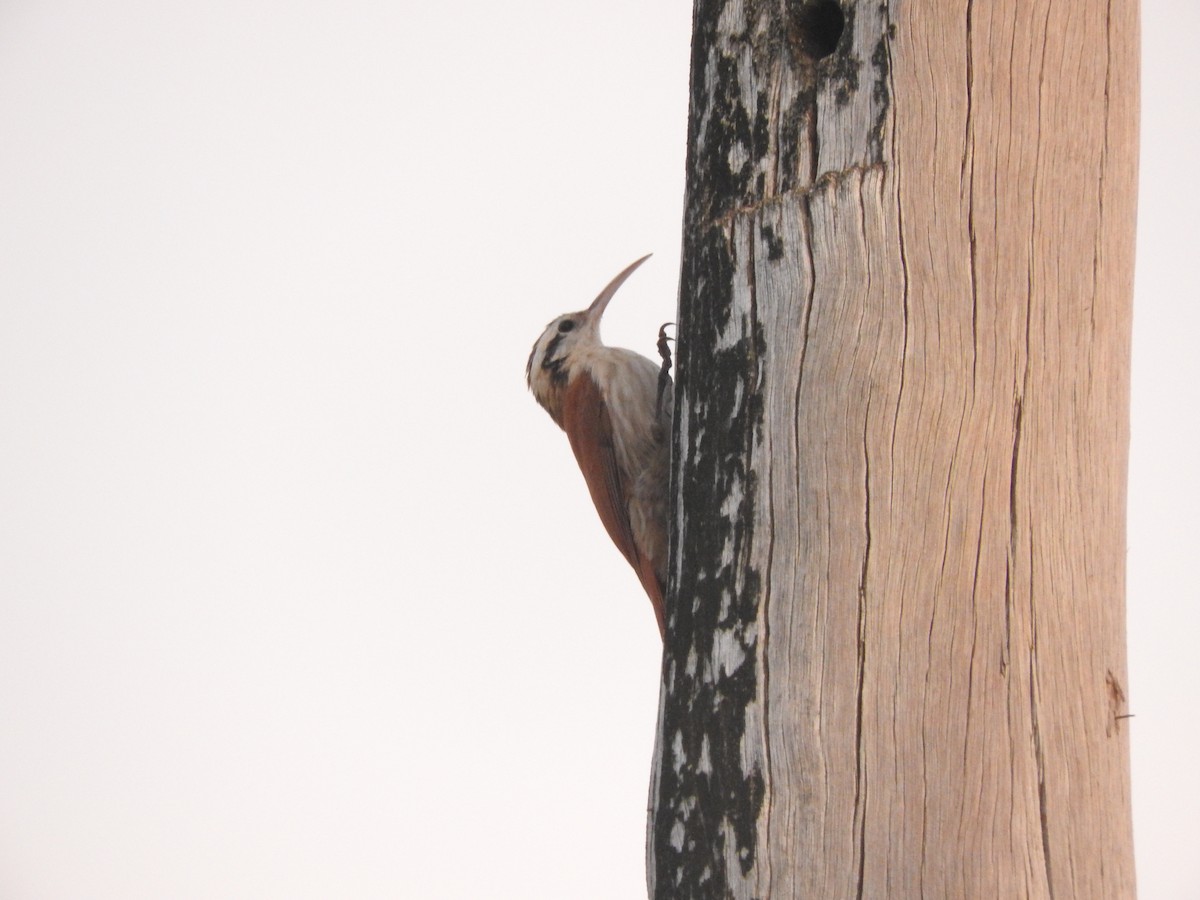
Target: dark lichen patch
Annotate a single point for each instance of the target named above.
(729, 127)
(733, 141)
(773, 241)
(881, 93)
(839, 71)
(762, 121)
(796, 152)
(706, 799)
(726, 140)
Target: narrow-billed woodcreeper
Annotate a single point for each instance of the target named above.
(616, 411)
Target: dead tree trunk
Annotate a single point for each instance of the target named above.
(896, 647)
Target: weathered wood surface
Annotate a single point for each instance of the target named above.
(896, 655)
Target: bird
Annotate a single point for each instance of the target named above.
(615, 406)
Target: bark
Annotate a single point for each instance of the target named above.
(895, 658)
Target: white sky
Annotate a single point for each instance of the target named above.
(301, 594)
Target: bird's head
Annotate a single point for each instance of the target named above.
(554, 354)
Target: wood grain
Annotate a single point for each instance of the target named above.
(896, 652)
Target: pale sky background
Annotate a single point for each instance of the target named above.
(301, 595)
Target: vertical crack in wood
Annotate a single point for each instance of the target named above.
(814, 137)
(894, 172)
(860, 787)
(1038, 750)
(1100, 185)
(968, 138)
(974, 618)
(1013, 524)
(764, 660)
(967, 174)
(1032, 288)
(762, 624)
(806, 227)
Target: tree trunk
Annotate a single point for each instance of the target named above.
(896, 641)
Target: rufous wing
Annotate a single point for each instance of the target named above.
(589, 428)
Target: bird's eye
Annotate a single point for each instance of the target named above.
(565, 326)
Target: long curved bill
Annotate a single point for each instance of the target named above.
(596, 310)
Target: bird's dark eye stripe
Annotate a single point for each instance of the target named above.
(565, 326)
(548, 359)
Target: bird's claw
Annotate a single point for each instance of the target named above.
(664, 374)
